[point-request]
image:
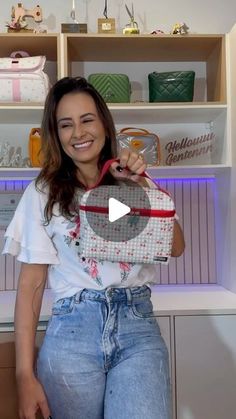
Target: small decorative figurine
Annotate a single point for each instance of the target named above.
(106, 24)
(180, 29)
(75, 26)
(11, 156)
(18, 15)
(5, 154)
(157, 32)
(72, 13)
(132, 26)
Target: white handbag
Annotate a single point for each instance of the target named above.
(152, 245)
(22, 78)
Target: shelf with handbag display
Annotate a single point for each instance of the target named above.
(31, 63)
(135, 59)
(178, 91)
(183, 52)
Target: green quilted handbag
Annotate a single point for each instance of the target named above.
(114, 88)
(171, 86)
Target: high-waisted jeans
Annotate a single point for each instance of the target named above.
(103, 357)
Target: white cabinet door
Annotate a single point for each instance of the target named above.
(164, 324)
(206, 367)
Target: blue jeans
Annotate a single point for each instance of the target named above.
(103, 357)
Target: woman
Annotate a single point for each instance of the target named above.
(103, 355)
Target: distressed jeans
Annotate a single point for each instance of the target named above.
(103, 357)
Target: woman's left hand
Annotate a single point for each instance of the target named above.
(131, 166)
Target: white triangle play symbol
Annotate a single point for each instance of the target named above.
(117, 209)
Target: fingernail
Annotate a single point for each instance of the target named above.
(119, 168)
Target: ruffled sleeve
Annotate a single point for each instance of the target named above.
(26, 236)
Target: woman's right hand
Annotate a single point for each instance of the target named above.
(31, 398)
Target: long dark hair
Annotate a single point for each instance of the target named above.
(58, 173)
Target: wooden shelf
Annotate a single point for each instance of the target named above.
(209, 49)
(18, 173)
(103, 47)
(34, 44)
(194, 171)
(167, 300)
(126, 113)
(197, 171)
(170, 113)
(21, 113)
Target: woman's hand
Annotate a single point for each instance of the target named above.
(31, 398)
(131, 166)
(132, 160)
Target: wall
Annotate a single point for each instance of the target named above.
(211, 16)
(194, 201)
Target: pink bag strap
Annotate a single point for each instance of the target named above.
(19, 54)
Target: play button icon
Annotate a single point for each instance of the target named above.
(117, 209)
(113, 212)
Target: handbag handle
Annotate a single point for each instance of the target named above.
(107, 166)
(19, 54)
(139, 129)
(105, 169)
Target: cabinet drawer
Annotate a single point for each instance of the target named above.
(7, 348)
(205, 366)
(8, 397)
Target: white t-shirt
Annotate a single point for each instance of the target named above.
(56, 244)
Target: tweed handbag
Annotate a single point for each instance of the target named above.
(126, 241)
(171, 86)
(114, 88)
(141, 141)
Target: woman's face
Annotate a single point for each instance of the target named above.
(80, 130)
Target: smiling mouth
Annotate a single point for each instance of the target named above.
(83, 145)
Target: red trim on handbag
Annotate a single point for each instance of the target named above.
(134, 211)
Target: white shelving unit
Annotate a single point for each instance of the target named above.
(186, 310)
(211, 58)
(81, 54)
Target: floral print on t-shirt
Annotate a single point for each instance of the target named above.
(125, 269)
(89, 265)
